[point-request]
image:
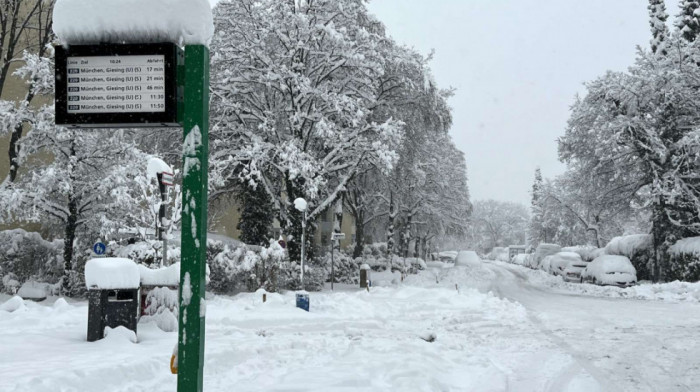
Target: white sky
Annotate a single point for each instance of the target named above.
(517, 65)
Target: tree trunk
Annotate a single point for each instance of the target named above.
(359, 236)
(390, 229)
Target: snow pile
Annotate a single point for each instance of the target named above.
(35, 290)
(468, 258)
(119, 335)
(13, 304)
(628, 245)
(167, 276)
(689, 245)
(111, 273)
(184, 22)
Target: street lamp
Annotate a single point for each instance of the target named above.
(301, 206)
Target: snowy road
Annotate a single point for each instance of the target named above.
(523, 337)
(623, 344)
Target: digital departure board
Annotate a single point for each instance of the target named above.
(117, 85)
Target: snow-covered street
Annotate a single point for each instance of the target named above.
(523, 336)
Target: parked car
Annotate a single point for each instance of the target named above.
(468, 258)
(521, 259)
(609, 270)
(572, 273)
(561, 261)
(542, 251)
(447, 256)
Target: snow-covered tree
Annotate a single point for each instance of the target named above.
(498, 223)
(635, 131)
(25, 35)
(257, 215)
(688, 22)
(293, 93)
(659, 29)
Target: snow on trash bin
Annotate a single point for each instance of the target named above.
(112, 273)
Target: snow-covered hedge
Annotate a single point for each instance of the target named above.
(638, 248)
(244, 268)
(684, 260)
(26, 256)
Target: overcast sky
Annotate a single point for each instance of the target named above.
(516, 65)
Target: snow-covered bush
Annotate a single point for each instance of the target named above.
(684, 260)
(236, 268)
(638, 248)
(25, 255)
(162, 308)
(543, 250)
(314, 275)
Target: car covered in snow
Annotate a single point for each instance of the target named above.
(468, 258)
(521, 259)
(542, 251)
(609, 270)
(561, 261)
(447, 256)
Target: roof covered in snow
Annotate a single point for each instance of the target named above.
(184, 22)
(111, 273)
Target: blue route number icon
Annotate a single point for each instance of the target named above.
(99, 248)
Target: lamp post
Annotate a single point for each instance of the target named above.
(301, 206)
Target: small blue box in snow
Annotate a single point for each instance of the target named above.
(303, 301)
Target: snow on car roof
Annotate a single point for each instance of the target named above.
(609, 263)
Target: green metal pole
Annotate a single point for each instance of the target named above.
(194, 220)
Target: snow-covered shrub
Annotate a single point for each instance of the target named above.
(235, 268)
(684, 260)
(498, 253)
(147, 252)
(346, 269)
(314, 275)
(10, 284)
(376, 250)
(162, 308)
(638, 248)
(27, 256)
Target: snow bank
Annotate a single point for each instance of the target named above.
(111, 273)
(628, 245)
(689, 245)
(184, 22)
(167, 276)
(13, 304)
(673, 291)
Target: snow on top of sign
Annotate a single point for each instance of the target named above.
(111, 273)
(183, 22)
(155, 166)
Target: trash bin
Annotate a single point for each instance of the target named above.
(113, 295)
(364, 276)
(303, 300)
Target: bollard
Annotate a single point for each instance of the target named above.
(303, 300)
(364, 276)
(264, 298)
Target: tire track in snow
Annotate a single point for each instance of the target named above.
(579, 360)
